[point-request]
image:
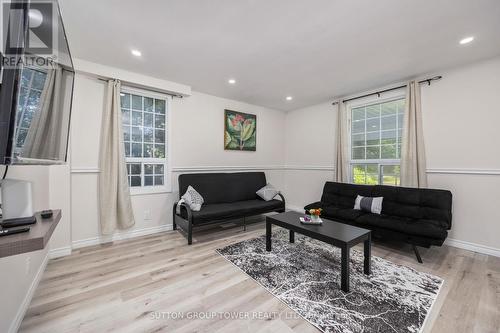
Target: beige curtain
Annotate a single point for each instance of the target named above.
(115, 204)
(46, 138)
(413, 165)
(342, 154)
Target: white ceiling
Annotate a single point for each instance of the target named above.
(312, 50)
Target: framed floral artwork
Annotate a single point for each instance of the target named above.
(240, 131)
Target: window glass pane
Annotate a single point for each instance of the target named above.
(359, 174)
(159, 106)
(401, 106)
(159, 121)
(373, 111)
(373, 138)
(125, 117)
(148, 150)
(159, 169)
(159, 151)
(127, 149)
(136, 149)
(135, 169)
(136, 118)
(399, 151)
(358, 126)
(372, 152)
(372, 124)
(389, 123)
(391, 174)
(148, 134)
(38, 80)
(158, 180)
(389, 108)
(389, 151)
(400, 120)
(136, 102)
(126, 133)
(358, 114)
(148, 169)
(372, 179)
(388, 137)
(159, 136)
(135, 181)
(372, 168)
(148, 104)
(148, 180)
(125, 100)
(358, 140)
(137, 134)
(358, 153)
(148, 119)
(21, 136)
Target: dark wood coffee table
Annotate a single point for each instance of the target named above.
(338, 234)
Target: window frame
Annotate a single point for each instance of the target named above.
(167, 161)
(364, 102)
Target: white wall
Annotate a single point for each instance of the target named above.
(197, 145)
(461, 115)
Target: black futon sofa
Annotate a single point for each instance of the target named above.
(417, 216)
(227, 196)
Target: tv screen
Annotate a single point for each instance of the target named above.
(37, 85)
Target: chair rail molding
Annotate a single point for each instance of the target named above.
(463, 171)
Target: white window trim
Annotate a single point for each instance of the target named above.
(167, 162)
(367, 101)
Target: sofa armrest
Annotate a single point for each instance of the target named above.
(282, 198)
(317, 204)
(188, 210)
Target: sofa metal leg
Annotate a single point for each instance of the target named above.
(190, 233)
(419, 258)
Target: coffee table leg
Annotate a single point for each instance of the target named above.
(292, 236)
(368, 256)
(268, 236)
(344, 278)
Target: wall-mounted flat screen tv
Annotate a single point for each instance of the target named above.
(36, 84)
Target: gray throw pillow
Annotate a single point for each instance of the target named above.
(268, 192)
(369, 204)
(193, 199)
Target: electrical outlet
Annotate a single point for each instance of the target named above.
(28, 265)
(147, 215)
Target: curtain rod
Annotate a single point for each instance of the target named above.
(153, 90)
(428, 81)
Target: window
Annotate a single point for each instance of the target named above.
(376, 131)
(145, 120)
(32, 83)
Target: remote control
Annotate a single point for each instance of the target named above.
(6, 232)
(46, 214)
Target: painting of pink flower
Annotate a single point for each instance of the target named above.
(240, 131)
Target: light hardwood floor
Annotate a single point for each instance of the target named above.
(119, 287)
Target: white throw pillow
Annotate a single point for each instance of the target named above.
(369, 204)
(193, 199)
(268, 192)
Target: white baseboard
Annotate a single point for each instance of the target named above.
(120, 236)
(483, 249)
(60, 252)
(16, 323)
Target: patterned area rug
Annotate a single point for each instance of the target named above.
(306, 276)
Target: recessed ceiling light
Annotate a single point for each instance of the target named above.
(289, 98)
(466, 40)
(136, 53)
(231, 81)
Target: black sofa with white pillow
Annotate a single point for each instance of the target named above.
(227, 196)
(420, 217)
